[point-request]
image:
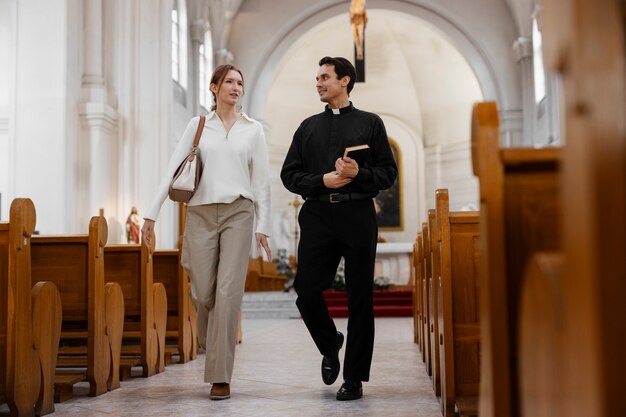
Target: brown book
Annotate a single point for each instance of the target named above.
(359, 153)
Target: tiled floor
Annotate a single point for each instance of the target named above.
(276, 374)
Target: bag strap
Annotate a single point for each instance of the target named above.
(196, 140)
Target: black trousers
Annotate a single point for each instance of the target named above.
(328, 232)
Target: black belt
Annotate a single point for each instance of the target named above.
(339, 197)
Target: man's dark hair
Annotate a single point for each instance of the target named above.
(343, 67)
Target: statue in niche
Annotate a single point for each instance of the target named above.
(132, 226)
(358, 19)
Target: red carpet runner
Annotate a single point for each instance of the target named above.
(390, 303)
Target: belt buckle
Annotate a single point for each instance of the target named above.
(331, 199)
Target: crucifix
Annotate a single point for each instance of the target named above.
(358, 20)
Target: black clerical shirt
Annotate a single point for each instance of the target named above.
(322, 138)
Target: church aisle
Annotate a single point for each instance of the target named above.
(277, 374)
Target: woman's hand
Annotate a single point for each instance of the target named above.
(147, 233)
(261, 241)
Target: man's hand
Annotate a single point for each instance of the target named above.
(334, 180)
(147, 233)
(261, 241)
(347, 167)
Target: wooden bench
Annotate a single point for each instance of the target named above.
(181, 314)
(30, 320)
(433, 257)
(459, 328)
(426, 262)
(145, 302)
(417, 291)
(262, 276)
(520, 211)
(92, 311)
(582, 331)
(542, 336)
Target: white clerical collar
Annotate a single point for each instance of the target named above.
(335, 111)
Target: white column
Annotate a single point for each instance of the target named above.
(511, 128)
(221, 15)
(523, 49)
(97, 155)
(93, 73)
(197, 29)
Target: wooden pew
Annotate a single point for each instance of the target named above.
(30, 320)
(459, 328)
(542, 337)
(520, 213)
(419, 285)
(417, 291)
(145, 304)
(92, 311)
(181, 317)
(582, 331)
(433, 255)
(426, 261)
(262, 276)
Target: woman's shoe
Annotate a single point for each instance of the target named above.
(220, 391)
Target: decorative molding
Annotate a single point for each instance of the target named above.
(4, 119)
(511, 127)
(523, 48)
(99, 115)
(197, 29)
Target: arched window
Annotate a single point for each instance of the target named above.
(206, 69)
(179, 43)
(538, 68)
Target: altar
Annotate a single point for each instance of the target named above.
(394, 260)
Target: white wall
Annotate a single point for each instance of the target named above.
(7, 27)
(41, 165)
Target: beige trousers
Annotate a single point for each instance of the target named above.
(216, 249)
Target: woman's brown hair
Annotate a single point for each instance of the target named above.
(218, 78)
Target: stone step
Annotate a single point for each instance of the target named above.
(270, 304)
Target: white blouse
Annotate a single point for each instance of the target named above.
(235, 164)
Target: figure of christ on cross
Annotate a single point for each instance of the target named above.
(358, 20)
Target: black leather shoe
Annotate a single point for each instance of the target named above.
(350, 390)
(330, 364)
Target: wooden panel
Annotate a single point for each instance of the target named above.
(542, 325)
(458, 316)
(433, 300)
(21, 369)
(4, 302)
(75, 265)
(65, 264)
(165, 266)
(130, 266)
(123, 266)
(425, 296)
(520, 213)
(585, 42)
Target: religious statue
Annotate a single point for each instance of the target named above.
(282, 233)
(358, 19)
(132, 226)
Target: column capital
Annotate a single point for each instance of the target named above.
(224, 56)
(99, 115)
(523, 48)
(197, 29)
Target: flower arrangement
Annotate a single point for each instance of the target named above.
(381, 283)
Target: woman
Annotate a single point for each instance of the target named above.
(234, 188)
